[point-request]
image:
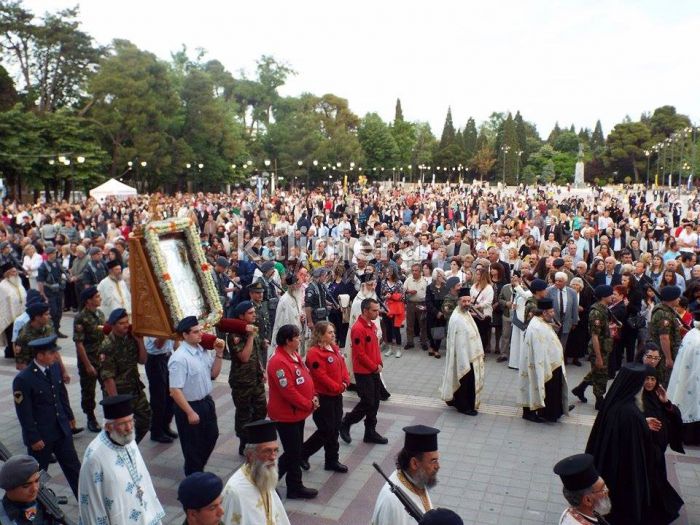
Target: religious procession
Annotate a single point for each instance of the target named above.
(306, 299)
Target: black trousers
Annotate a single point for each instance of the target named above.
(162, 405)
(368, 388)
(197, 441)
(9, 350)
(327, 418)
(56, 309)
(292, 438)
(67, 458)
(484, 327)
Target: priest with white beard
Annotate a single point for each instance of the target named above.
(12, 299)
(249, 497)
(543, 391)
(115, 486)
(684, 385)
(416, 471)
(113, 290)
(464, 366)
(290, 310)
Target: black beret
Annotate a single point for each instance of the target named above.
(538, 285)
(440, 517)
(33, 296)
(186, 323)
(116, 315)
(17, 470)
(670, 293)
(242, 308)
(267, 266)
(36, 309)
(199, 489)
(558, 263)
(222, 261)
(88, 293)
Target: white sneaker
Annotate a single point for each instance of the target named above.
(398, 352)
(388, 351)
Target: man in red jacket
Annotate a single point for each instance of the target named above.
(367, 364)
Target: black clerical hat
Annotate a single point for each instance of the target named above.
(545, 304)
(577, 472)
(440, 517)
(464, 292)
(261, 431)
(420, 438)
(116, 407)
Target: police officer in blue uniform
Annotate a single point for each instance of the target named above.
(42, 406)
(51, 283)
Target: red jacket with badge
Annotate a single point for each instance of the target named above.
(291, 388)
(366, 356)
(327, 367)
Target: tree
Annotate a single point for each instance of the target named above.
(53, 56)
(377, 142)
(567, 142)
(554, 134)
(597, 139)
(625, 149)
(469, 137)
(424, 146)
(398, 112)
(138, 112)
(548, 173)
(448, 131)
(483, 162)
(509, 155)
(404, 134)
(8, 94)
(664, 121)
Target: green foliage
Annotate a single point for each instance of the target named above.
(554, 134)
(665, 121)
(469, 137)
(483, 161)
(377, 142)
(597, 139)
(625, 149)
(567, 142)
(8, 94)
(448, 131)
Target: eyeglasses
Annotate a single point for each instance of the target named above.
(604, 490)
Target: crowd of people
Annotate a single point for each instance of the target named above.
(318, 289)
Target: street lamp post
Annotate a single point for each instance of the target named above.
(647, 153)
(505, 150)
(517, 171)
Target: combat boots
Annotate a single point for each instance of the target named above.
(580, 390)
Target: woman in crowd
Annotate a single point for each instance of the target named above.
(434, 296)
(342, 283)
(330, 375)
(481, 293)
(497, 282)
(455, 270)
(31, 263)
(292, 400)
(671, 278)
(577, 342)
(656, 270)
(391, 292)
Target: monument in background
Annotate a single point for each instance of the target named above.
(578, 173)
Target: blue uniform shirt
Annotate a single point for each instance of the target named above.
(152, 349)
(190, 370)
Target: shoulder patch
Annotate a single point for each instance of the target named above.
(19, 397)
(283, 382)
(279, 373)
(297, 372)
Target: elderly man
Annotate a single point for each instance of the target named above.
(543, 388)
(415, 287)
(200, 496)
(95, 269)
(463, 379)
(249, 497)
(416, 471)
(565, 302)
(12, 299)
(190, 373)
(290, 310)
(113, 290)
(115, 486)
(584, 489)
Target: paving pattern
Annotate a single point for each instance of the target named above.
(496, 468)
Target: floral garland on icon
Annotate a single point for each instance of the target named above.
(202, 268)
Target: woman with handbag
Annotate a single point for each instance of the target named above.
(482, 303)
(434, 296)
(391, 291)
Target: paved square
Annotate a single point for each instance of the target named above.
(496, 468)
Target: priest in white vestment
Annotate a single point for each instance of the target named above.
(115, 487)
(520, 297)
(684, 385)
(290, 310)
(464, 364)
(12, 299)
(543, 391)
(249, 497)
(114, 291)
(417, 466)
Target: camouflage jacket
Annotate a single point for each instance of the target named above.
(119, 357)
(664, 322)
(250, 373)
(599, 324)
(449, 303)
(26, 334)
(87, 329)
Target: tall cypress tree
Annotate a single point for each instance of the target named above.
(448, 131)
(469, 137)
(554, 135)
(509, 155)
(598, 139)
(398, 114)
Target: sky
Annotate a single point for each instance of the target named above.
(571, 61)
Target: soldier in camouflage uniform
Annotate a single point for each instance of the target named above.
(449, 302)
(119, 357)
(38, 327)
(664, 330)
(599, 347)
(539, 291)
(262, 317)
(246, 377)
(88, 337)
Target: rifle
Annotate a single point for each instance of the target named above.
(46, 496)
(410, 507)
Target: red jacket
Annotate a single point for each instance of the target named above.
(328, 370)
(366, 357)
(291, 388)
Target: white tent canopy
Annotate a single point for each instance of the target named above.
(112, 188)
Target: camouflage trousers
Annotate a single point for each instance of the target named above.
(250, 404)
(88, 385)
(598, 377)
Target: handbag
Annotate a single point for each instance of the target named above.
(437, 332)
(637, 322)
